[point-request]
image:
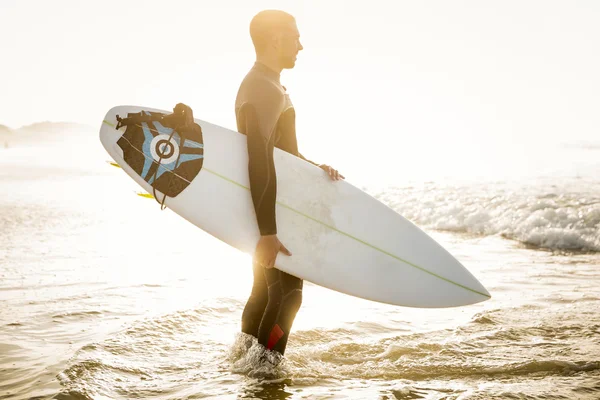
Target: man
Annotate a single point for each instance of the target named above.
(265, 114)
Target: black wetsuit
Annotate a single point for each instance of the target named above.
(266, 115)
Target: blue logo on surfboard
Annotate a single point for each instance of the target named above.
(165, 153)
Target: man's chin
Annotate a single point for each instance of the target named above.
(289, 64)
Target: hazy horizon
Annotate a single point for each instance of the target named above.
(459, 84)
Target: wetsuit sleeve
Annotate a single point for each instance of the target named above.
(258, 120)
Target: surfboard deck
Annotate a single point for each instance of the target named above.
(341, 238)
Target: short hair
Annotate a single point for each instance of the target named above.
(265, 24)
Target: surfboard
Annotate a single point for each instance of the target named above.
(341, 237)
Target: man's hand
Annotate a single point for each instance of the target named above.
(333, 173)
(267, 249)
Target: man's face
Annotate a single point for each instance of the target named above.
(288, 45)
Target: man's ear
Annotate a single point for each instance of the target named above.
(275, 41)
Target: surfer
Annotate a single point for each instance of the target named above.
(264, 112)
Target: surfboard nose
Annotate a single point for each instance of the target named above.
(480, 288)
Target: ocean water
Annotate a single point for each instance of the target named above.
(102, 295)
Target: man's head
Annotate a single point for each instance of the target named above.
(275, 37)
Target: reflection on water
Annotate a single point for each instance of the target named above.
(105, 296)
(269, 390)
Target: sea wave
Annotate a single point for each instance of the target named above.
(553, 217)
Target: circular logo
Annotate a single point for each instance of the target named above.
(164, 150)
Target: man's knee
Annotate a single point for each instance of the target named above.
(294, 301)
(256, 304)
(253, 313)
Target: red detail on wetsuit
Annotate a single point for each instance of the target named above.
(276, 334)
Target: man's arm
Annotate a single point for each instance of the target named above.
(332, 172)
(257, 118)
(261, 168)
(306, 159)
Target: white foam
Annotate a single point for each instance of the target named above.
(557, 216)
(248, 357)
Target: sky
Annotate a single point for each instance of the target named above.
(465, 82)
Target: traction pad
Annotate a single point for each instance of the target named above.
(167, 159)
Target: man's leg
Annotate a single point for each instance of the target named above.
(284, 300)
(256, 304)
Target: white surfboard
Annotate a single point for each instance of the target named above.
(340, 237)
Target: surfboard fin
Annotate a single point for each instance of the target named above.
(145, 195)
